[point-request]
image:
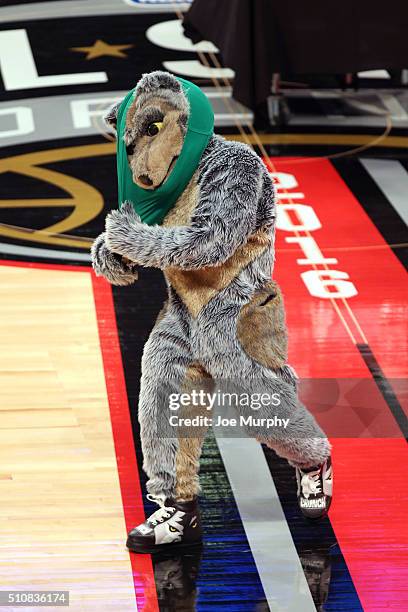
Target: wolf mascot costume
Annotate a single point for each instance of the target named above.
(202, 209)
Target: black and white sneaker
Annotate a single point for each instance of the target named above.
(314, 489)
(174, 525)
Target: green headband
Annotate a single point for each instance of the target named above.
(153, 205)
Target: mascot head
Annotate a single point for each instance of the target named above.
(163, 127)
(154, 128)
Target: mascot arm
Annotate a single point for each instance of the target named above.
(111, 265)
(224, 219)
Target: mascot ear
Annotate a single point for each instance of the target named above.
(112, 115)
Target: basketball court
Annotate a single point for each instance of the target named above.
(71, 479)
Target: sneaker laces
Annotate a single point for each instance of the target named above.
(310, 483)
(164, 512)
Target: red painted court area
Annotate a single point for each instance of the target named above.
(368, 513)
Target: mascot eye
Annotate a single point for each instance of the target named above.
(154, 128)
(130, 149)
(172, 529)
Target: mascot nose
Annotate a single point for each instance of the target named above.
(143, 178)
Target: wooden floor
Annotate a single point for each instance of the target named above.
(61, 515)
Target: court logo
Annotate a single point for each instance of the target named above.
(302, 220)
(85, 200)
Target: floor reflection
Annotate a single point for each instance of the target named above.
(176, 576)
(317, 569)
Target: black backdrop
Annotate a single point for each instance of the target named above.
(259, 37)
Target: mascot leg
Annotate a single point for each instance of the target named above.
(170, 453)
(239, 350)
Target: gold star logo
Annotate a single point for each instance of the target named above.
(101, 48)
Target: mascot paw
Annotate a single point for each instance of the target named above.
(119, 224)
(111, 265)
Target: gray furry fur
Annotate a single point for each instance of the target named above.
(164, 85)
(231, 179)
(158, 81)
(111, 265)
(111, 116)
(235, 201)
